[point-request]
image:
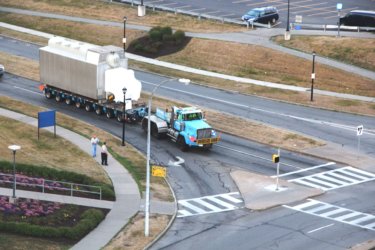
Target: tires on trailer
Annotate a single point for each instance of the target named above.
(68, 101)
(119, 117)
(88, 107)
(98, 111)
(78, 104)
(48, 94)
(109, 114)
(58, 98)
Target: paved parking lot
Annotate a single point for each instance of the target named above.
(312, 11)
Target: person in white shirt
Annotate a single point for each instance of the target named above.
(104, 154)
(94, 142)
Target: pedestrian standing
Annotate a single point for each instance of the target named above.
(94, 142)
(104, 154)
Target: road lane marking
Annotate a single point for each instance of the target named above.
(320, 228)
(209, 204)
(306, 169)
(27, 90)
(351, 217)
(333, 179)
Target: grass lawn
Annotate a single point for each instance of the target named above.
(359, 52)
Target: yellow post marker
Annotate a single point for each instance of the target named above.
(159, 171)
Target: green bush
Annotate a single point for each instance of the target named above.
(167, 38)
(89, 220)
(166, 30)
(155, 35)
(179, 36)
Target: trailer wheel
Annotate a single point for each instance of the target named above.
(98, 111)
(48, 95)
(109, 114)
(182, 144)
(68, 101)
(78, 105)
(88, 107)
(58, 98)
(119, 117)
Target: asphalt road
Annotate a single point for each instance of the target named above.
(207, 173)
(312, 12)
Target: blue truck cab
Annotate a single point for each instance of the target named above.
(185, 126)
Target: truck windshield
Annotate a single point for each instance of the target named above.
(193, 116)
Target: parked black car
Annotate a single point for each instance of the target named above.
(364, 18)
(262, 15)
(2, 70)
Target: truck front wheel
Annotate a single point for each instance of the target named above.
(182, 144)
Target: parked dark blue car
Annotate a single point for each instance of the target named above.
(262, 15)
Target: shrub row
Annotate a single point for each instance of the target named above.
(158, 37)
(58, 175)
(159, 34)
(89, 220)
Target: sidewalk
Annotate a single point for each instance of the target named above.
(259, 37)
(128, 198)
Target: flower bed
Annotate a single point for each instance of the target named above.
(48, 219)
(28, 207)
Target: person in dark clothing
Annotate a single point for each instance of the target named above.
(104, 154)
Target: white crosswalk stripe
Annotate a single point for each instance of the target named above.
(210, 204)
(336, 178)
(336, 213)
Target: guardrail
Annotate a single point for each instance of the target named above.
(326, 27)
(49, 185)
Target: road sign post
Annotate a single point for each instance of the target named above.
(339, 8)
(276, 159)
(359, 133)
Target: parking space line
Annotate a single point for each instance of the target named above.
(156, 1)
(313, 9)
(228, 15)
(242, 1)
(167, 4)
(293, 7)
(332, 11)
(183, 7)
(255, 4)
(213, 12)
(197, 9)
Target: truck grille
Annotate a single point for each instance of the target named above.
(204, 136)
(204, 133)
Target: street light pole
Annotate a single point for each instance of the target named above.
(147, 202)
(14, 149)
(123, 118)
(124, 38)
(287, 31)
(312, 77)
